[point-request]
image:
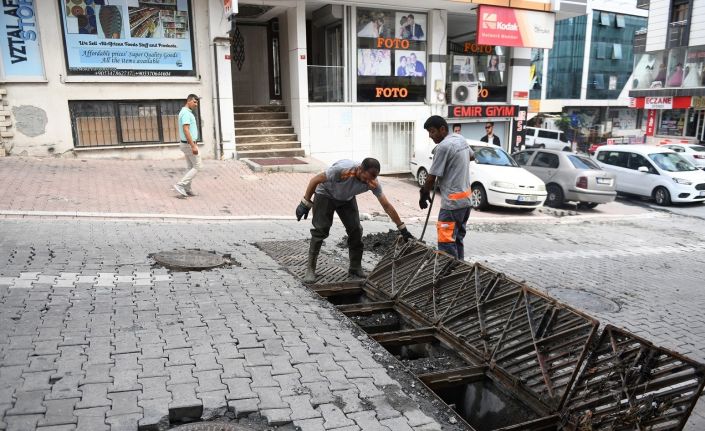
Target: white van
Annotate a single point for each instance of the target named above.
(546, 138)
(655, 172)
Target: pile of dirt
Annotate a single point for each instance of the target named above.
(378, 322)
(431, 365)
(378, 243)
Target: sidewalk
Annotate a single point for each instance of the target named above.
(227, 190)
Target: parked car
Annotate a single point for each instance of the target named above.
(546, 138)
(656, 172)
(691, 152)
(495, 177)
(569, 177)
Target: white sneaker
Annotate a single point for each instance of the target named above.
(180, 189)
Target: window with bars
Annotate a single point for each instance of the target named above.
(106, 123)
(392, 144)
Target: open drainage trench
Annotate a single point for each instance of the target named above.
(502, 355)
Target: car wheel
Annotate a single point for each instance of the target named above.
(555, 195)
(421, 177)
(478, 198)
(587, 205)
(662, 196)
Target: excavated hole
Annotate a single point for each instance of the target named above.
(485, 406)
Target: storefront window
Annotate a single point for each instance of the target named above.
(391, 56)
(672, 122)
(676, 58)
(536, 73)
(649, 70)
(483, 66)
(565, 61)
(694, 67)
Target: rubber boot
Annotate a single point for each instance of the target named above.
(310, 276)
(355, 269)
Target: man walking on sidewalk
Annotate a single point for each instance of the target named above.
(451, 163)
(188, 132)
(335, 191)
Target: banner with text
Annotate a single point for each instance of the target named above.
(21, 56)
(128, 37)
(515, 27)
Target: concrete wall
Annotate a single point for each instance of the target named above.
(48, 130)
(659, 14)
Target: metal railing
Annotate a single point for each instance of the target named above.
(325, 83)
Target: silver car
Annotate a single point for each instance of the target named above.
(569, 177)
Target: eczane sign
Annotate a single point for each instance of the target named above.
(658, 102)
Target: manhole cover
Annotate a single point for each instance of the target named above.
(190, 259)
(585, 300)
(211, 426)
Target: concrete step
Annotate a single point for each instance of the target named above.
(265, 138)
(256, 146)
(261, 116)
(259, 108)
(281, 152)
(252, 131)
(239, 124)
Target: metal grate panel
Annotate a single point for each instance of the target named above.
(630, 384)
(293, 256)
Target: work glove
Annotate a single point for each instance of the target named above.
(425, 198)
(404, 232)
(303, 209)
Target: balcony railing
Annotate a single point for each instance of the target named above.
(678, 32)
(325, 83)
(640, 40)
(643, 4)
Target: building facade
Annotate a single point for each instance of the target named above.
(668, 84)
(335, 80)
(587, 72)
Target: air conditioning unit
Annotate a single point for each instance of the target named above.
(463, 93)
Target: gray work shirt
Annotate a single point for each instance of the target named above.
(339, 187)
(451, 164)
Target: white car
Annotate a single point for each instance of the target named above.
(656, 172)
(692, 152)
(495, 177)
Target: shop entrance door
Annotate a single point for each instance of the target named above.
(255, 64)
(700, 127)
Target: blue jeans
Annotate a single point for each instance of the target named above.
(451, 231)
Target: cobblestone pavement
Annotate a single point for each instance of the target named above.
(94, 338)
(82, 338)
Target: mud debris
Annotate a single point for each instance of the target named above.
(378, 243)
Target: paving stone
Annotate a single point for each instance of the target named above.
(151, 351)
(65, 386)
(383, 408)
(127, 361)
(309, 373)
(327, 363)
(337, 381)
(152, 367)
(243, 407)
(276, 417)
(281, 365)
(399, 423)
(333, 417)
(94, 395)
(262, 377)
(301, 407)
(154, 388)
(239, 388)
(270, 398)
(351, 401)
(71, 427)
(233, 368)
(290, 384)
(434, 426)
(97, 373)
(155, 414)
(36, 381)
(180, 356)
(181, 374)
(184, 403)
(209, 381)
(124, 403)
(59, 412)
(129, 422)
(206, 362)
(367, 388)
(28, 403)
(315, 424)
(22, 422)
(214, 404)
(320, 393)
(92, 419)
(124, 380)
(417, 418)
(367, 420)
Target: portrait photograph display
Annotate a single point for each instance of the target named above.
(374, 62)
(410, 26)
(410, 63)
(374, 23)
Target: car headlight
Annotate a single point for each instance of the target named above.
(503, 185)
(541, 188)
(682, 181)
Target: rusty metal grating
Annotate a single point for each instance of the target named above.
(293, 256)
(398, 266)
(630, 384)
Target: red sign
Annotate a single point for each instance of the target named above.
(515, 27)
(520, 95)
(482, 111)
(678, 102)
(651, 122)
